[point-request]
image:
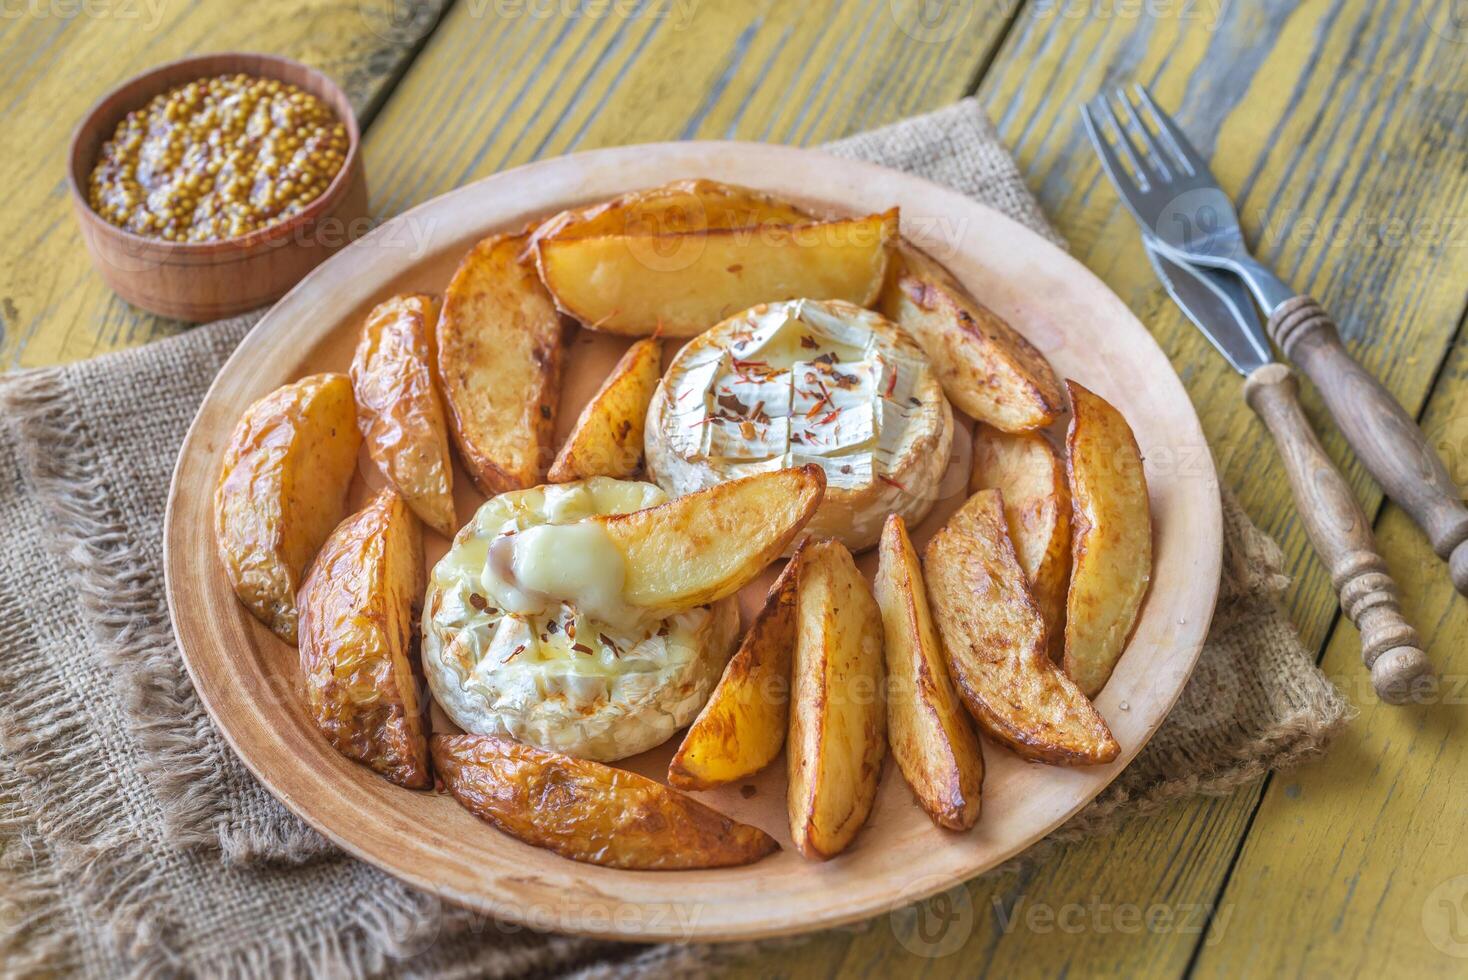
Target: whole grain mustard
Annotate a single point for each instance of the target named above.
(217, 158)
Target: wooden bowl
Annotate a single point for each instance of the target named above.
(249, 679)
(200, 281)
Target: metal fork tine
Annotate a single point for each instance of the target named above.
(1138, 175)
(1148, 148)
(1182, 151)
(1110, 162)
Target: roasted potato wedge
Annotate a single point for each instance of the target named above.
(1037, 507)
(838, 722)
(282, 488)
(742, 727)
(359, 641)
(500, 351)
(590, 812)
(1111, 547)
(707, 545)
(987, 369)
(928, 730)
(607, 438)
(686, 283)
(398, 408)
(995, 639)
(679, 207)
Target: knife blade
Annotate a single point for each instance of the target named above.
(1219, 305)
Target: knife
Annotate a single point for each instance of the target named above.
(1221, 307)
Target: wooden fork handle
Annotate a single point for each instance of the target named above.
(1341, 534)
(1383, 435)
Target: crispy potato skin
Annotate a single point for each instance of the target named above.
(607, 438)
(708, 545)
(686, 283)
(1026, 467)
(500, 354)
(282, 488)
(398, 408)
(988, 370)
(742, 728)
(590, 812)
(1111, 548)
(359, 641)
(995, 639)
(679, 207)
(838, 721)
(929, 733)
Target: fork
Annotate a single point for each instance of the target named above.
(1167, 185)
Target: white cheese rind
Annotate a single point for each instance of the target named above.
(784, 384)
(608, 692)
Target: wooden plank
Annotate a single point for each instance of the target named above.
(55, 308)
(1332, 113)
(492, 92)
(1364, 847)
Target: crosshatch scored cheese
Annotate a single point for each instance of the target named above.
(531, 639)
(785, 384)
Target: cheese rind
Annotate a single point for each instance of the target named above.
(806, 381)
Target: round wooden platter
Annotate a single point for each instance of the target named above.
(248, 679)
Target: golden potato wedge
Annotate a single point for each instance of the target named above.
(686, 283)
(590, 812)
(742, 727)
(607, 438)
(682, 206)
(1037, 507)
(928, 730)
(398, 408)
(282, 488)
(995, 639)
(838, 722)
(1111, 547)
(359, 630)
(986, 368)
(500, 350)
(707, 545)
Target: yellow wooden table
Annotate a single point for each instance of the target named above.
(1341, 127)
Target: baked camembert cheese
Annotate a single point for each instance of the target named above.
(525, 632)
(806, 381)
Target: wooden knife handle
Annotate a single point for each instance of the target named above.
(1383, 435)
(1342, 537)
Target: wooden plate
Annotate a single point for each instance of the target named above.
(248, 679)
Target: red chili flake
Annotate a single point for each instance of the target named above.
(808, 342)
(757, 365)
(828, 419)
(571, 628)
(478, 601)
(514, 653)
(553, 626)
(891, 482)
(581, 648)
(606, 641)
(891, 385)
(663, 630)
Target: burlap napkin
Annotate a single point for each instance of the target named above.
(134, 839)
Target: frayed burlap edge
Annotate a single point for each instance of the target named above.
(119, 595)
